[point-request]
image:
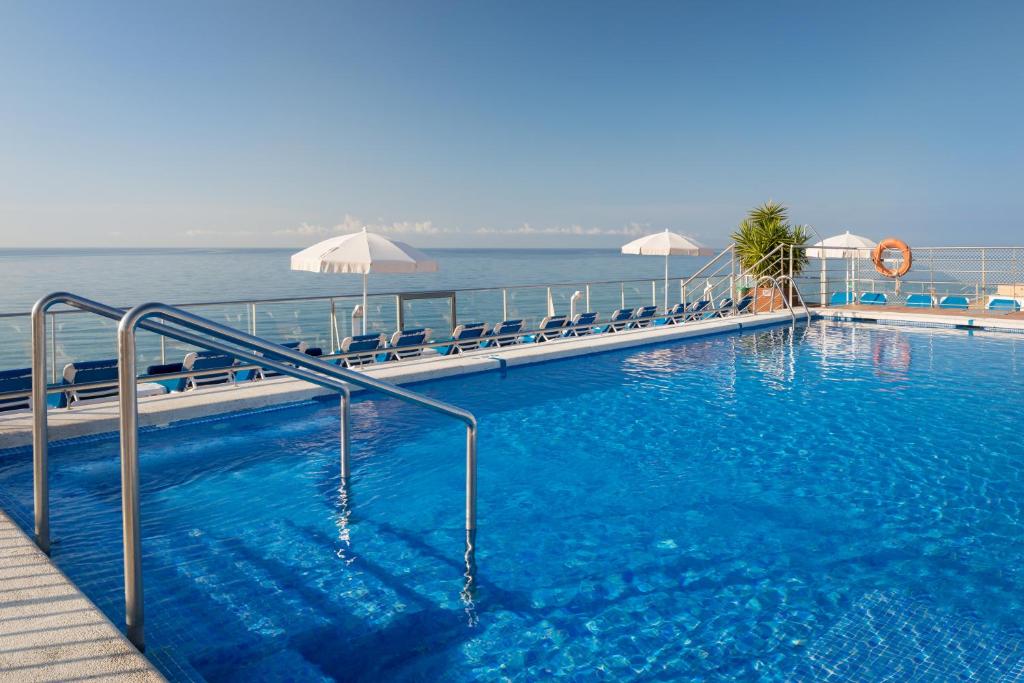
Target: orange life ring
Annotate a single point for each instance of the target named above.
(891, 243)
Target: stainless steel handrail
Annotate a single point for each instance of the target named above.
(799, 296)
(137, 317)
(40, 426)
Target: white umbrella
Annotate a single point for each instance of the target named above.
(362, 252)
(846, 245)
(665, 244)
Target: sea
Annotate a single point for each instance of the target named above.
(126, 277)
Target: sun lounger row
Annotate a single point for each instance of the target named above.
(356, 351)
(951, 301)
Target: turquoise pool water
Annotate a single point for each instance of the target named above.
(772, 505)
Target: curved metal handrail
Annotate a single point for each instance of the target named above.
(803, 304)
(128, 391)
(775, 285)
(40, 426)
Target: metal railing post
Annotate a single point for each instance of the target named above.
(40, 436)
(588, 297)
(163, 350)
(252, 314)
(654, 293)
(53, 349)
(346, 441)
(399, 314)
(622, 294)
(504, 304)
(984, 287)
(132, 538)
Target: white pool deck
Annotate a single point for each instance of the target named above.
(49, 630)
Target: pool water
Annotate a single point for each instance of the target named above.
(829, 500)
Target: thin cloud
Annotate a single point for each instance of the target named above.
(630, 229)
(218, 233)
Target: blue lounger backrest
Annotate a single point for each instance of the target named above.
(466, 331)
(621, 315)
(584, 319)
(842, 298)
(504, 333)
(89, 371)
(166, 369)
(552, 322)
(209, 360)
(19, 379)
(955, 301)
(920, 301)
(406, 338)
(363, 346)
(744, 303)
(873, 298)
(646, 311)
(1003, 305)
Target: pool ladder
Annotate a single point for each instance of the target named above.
(175, 323)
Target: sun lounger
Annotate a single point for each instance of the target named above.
(921, 301)
(673, 316)
(955, 301)
(643, 317)
(620, 320)
(842, 299)
(874, 298)
(465, 337)
(581, 325)
(15, 380)
(504, 333)
(208, 360)
(363, 347)
(1007, 305)
(550, 328)
(696, 310)
(83, 372)
(405, 344)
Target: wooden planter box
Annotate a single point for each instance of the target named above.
(769, 299)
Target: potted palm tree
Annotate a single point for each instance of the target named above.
(757, 241)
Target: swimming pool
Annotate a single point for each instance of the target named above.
(770, 505)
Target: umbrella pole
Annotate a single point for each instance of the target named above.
(666, 282)
(366, 311)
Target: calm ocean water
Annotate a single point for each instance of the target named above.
(130, 276)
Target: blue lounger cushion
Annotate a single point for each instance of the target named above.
(363, 349)
(405, 344)
(874, 298)
(83, 372)
(842, 299)
(673, 315)
(19, 379)
(955, 301)
(696, 309)
(550, 327)
(619, 320)
(744, 304)
(466, 337)
(581, 325)
(178, 384)
(643, 317)
(920, 301)
(209, 360)
(504, 333)
(1003, 305)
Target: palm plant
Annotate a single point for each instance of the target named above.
(760, 234)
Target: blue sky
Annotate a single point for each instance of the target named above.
(506, 124)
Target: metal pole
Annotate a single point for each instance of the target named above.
(163, 350)
(588, 298)
(666, 282)
(622, 290)
(53, 348)
(129, 409)
(40, 437)
(365, 309)
(252, 314)
(984, 288)
(345, 440)
(654, 293)
(471, 478)
(504, 304)
(333, 323)
(398, 313)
